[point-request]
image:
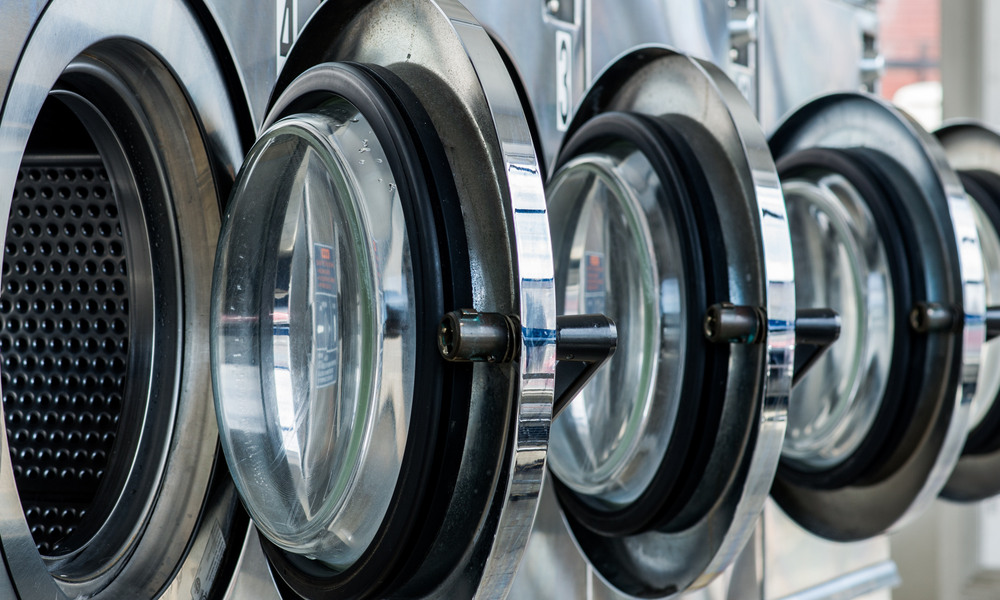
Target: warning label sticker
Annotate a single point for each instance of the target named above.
(325, 356)
(595, 284)
(215, 548)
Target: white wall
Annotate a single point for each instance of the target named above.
(970, 59)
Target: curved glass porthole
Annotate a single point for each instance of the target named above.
(841, 262)
(324, 331)
(620, 255)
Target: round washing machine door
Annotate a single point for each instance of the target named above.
(666, 215)
(973, 151)
(883, 233)
(118, 137)
(395, 181)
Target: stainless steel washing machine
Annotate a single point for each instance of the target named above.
(664, 206)
(865, 157)
(863, 565)
(120, 133)
(384, 327)
(854, 168)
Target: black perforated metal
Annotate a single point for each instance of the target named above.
(63, 339)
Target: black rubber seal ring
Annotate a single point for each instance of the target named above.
(864, 171)
(715, 270)
(984, 187)
(704, 378)
(439, 413)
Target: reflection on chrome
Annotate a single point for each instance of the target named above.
(988, 382)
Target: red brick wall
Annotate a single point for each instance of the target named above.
(910, 41)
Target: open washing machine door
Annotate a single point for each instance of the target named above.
(666, 215)
(119, 135)
(395, 182)
(883, 233)
(973, 150)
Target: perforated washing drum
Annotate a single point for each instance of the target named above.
(64, 343)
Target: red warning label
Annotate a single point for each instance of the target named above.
(325, 312)
(595, 282)
(326, 269)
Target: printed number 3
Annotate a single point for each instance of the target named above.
(564, 73)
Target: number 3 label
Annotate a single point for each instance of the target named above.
(564, 79)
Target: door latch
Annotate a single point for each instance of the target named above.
(584, 343)
(816, 329)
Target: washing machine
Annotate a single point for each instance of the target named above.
(856, 508)
(666, 213)
(918, 335)
(120, 133)
(384, 331)
(858, 501)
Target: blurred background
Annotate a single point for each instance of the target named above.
(941, 63)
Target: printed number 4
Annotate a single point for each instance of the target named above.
(286, 33)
